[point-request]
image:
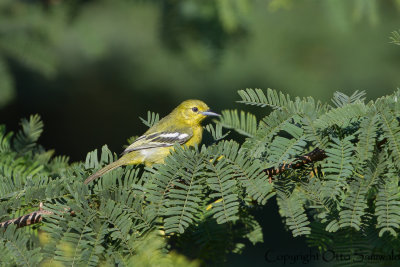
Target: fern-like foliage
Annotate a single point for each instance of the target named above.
(355, 205)
(391, 128)
(199, 202)
(245, 125)
(257, 97)
(183, 200)
(367, 134)
(19, 248)
(388, 204)
(291, 208)
(152, 118)
(268, 128)
(355, 188)
(31, 130)
(395, 38)
(226, 204)
(283, 149)
(338, 167)
(216, 132)
(341, 99)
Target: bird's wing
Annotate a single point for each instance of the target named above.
(159, 139)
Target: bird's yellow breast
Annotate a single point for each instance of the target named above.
(197, 136)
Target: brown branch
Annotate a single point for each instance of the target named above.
(315, 155)
(31, 218)
(25, 220)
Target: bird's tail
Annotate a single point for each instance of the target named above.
(103, 171)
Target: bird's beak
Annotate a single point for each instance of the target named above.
(210, 113)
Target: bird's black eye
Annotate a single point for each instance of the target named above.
(195, 109)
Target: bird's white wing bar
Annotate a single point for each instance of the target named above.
(169, 135)
(182, 136)
(158, 139)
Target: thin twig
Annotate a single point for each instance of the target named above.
(31, 218)
(315, 155)
(28, 219)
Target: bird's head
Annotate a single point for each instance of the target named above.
(194, 111)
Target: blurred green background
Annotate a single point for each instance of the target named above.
(90, 68)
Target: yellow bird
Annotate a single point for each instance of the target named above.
(182, 125)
